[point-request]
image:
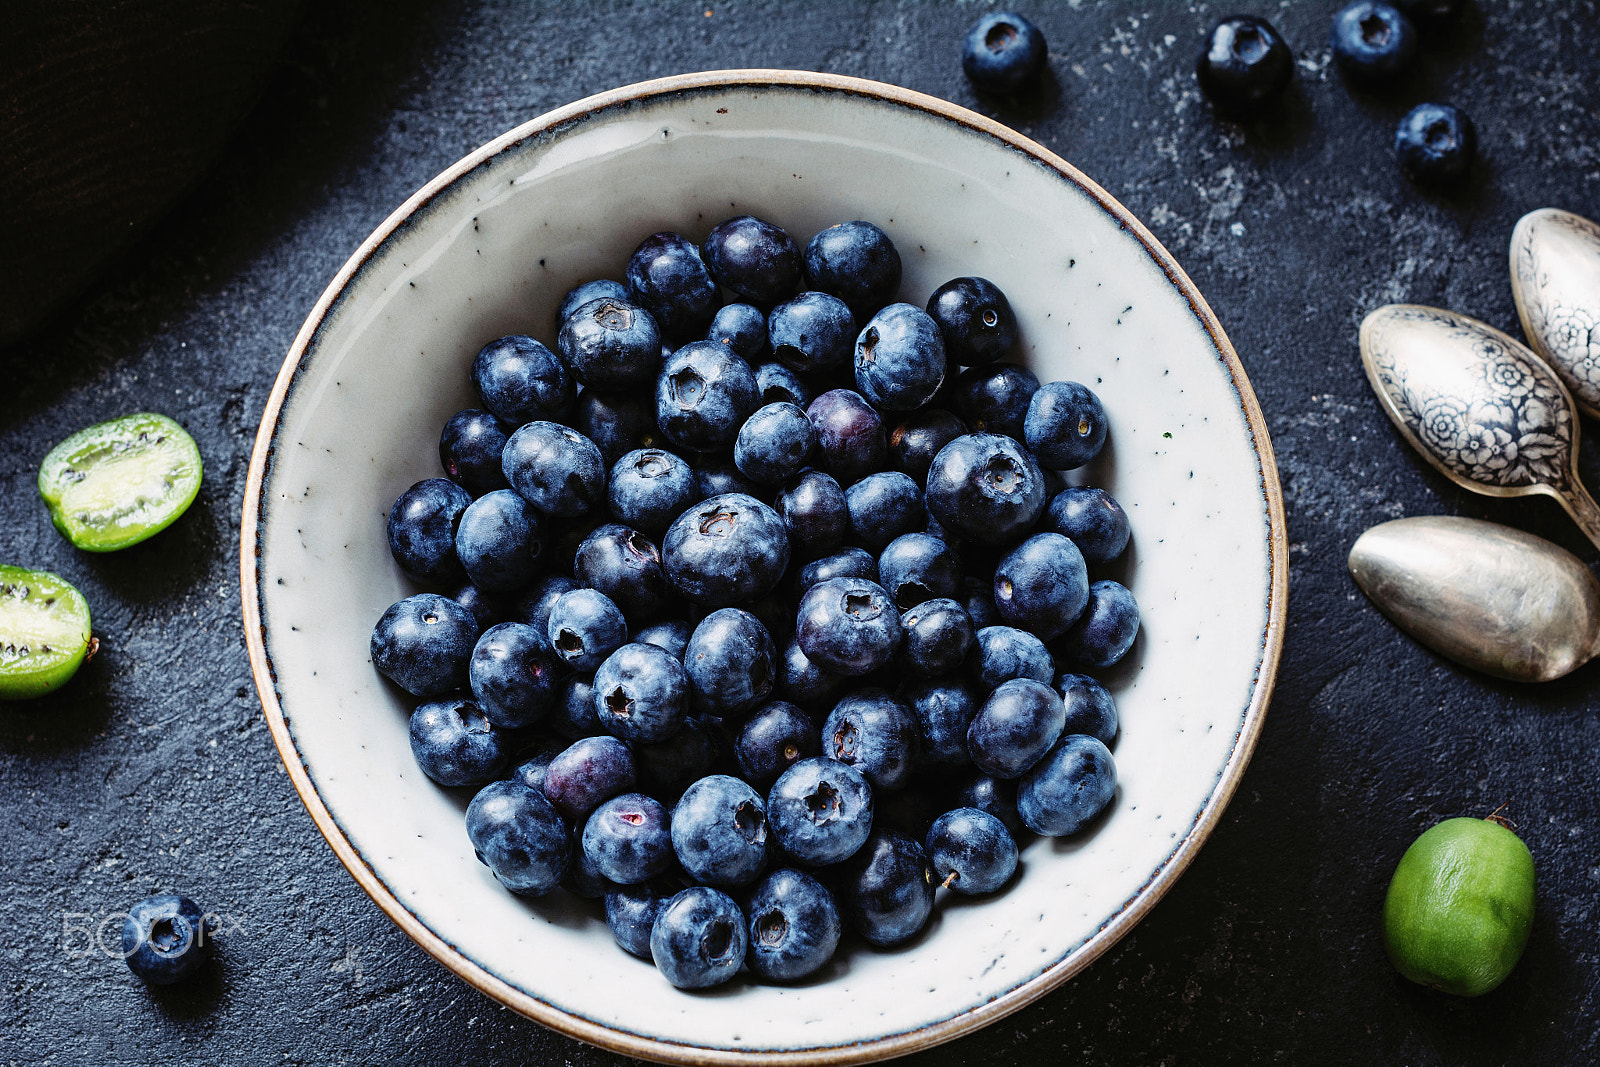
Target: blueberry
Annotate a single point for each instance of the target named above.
(995, 398)
(876, 734)
(719, 832)
(887, 891)
(587, 292)
(850, 440)
(725, 550)
(918, 437)
(813, 510)
(648, 488)
(1090, 709)
(780, 385)
(1106, 629)
(716, 474)
(813, 332)
(845, 563)
(631, 912)
(882, 507)
(1001, 653)
(1042, 585)
(1070, 786)
(1092, 520)
(754, 260)
(519, 836)
(804, 682)
(916, 567)
(1373, 42)
(1003, 54)
(422, 530)
(1244, 64)
(618, 423)
(164, 938)
(848, 626)
(820, 811)
(499, 540)
(555, 468)
(975, 319)
(534, 606)
(671, 635)
(856, 262)
(521, 380)
(742, 328)
(1435, 143)
(945, 708)
(470, 447)
(986, 488)
(641, 693)
(587, 773)
(530, 771)
(1015, 727)
(628, 838)
(488, 610)
(773, 740)
(774, 443)
(625, 565)
(938, 634)
(971, 851)
(514, 680)
(1065, 426)
(794, 926)
(455, 744)
(977, 597)
(584, 628)
(899, 358)
(731, 661)
(996, 796)
(573, 716)
(668, 767)
(611, 344)
(668, 279)
(703, 395)
(699, 938)
(424, 643)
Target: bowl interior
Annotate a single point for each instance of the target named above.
(491, 252)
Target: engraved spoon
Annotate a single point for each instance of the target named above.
(1488, 596)
(1555, 281)
(1478, 405)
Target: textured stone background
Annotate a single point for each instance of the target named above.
(154, 770)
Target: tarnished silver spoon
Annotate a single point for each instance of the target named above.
(1555, 280)
(1493, 598)
(1481, 407)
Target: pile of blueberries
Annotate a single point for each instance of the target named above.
(766, 619)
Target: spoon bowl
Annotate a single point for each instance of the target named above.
(1555, 281)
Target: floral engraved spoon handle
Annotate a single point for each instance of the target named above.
(1555, 281)
(1478, 405)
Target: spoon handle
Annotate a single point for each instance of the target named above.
(1581, 506)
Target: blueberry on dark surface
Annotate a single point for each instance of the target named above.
(945, 708)
(534, 606)
(1042, 585)
(848, 626)
(918, 437)
(1091, 519)
(850, 438)
(699, 938)
(794, 926)
(1070, 786)
(774, 443)
(975, 319)
(998, 797)
(813, 510)
(820, 811)
(725, 550)
(703, 395)
(625, 565)
(716, 474)
(1090, 708)
(555, 468)
(742, 329)
(1435, 143)
(455, 744)
(772, 740)
(986, 488)
(938, 634)
(806, 683)
(611, 344)
(668, 767)
(618, 423)
(778, 384)
(899, 358)
(731, 661)
(1015, 727)
(586, 292)
(915, 567)
(1244, 64)
(164, 938)
(574, 716)
(813, 332)
(519, 836)
(1065, 426)
(422, 530)
(649, 487)
(629, 838)
(514, 680)
(1373, 42)
(887, 888)
(521, 380)
(587, 773)
(641, 693)
(971, 851)
(1001, 653)
(499, 540)
(668, 279)
(631, 912)
(856, 262)
(719, 832)
(876, 734)
(470, 447)
(753, 259)
(1106, 629)
(671, 635)
(585, 626)
(1003, 54)
(994, 398)
(424, 643)
(846, 563)
(882, 507)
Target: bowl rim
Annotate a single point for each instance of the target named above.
(826, 1056)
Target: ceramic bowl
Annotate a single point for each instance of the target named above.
(488, 248)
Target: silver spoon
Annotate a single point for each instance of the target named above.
(1493, 598)
(1555, 280)
(1478, 405)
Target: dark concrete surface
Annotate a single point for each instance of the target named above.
(154, 769)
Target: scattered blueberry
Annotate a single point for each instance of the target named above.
(876, 734)
(918, 437)
(625, 565)
(937, 635)
(631, 912)
(996, 796)
(1003, 54)
(1042, 585)
(915, 567)
(772, 740)
(573, 716)
(641, 693)
(846, 563)
(1001, 653)
(584, 628)
(780, 385)
(804, 682)
(1065, 426)
(1090, 709)
(1436, 143)
(994, 398)
(986, 488)
(1245, 64)
(703, 395)
(649, 488)
(470, 447)
(1373, 42)
(731, 662)
(611, 344)
(850, 440)
(534, 606)
(618, 423)
(848, 626)
(587, 292)
(725, 550)
(900, 358)
(945, 708)
(164, 938)
(719, 832)
(742, 328)
(887, 891)
(587, 773)
(1015, 727)
(882, 507)
(813, 509)
(629, 838)
(774, 443)
(498, 542)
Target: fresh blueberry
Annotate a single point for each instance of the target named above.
(850, 439)
(995, 398)
(641, 693)
(882, 507)
(774, 443)
(916, 567)
(742, 328)
(631, 912)
(519, 836)
(424, 643)
(587, 773)
(1065, 426)
(1001, 653)
(813, 510)
(845, 563)
(938, 634)
(164, 938)
(671, 635)
(555, 468)
(847, 626)
(625, 565)
(731, 661)
(803, 682)
(1070, 786)
(499, 540)
(918, 437)
(754, 260)
(1090, 709)
(611, 344)
(629, 838)
(470, 447)
(585, 627)
(977, 597)
(780, 385)
(996, 796)
(794, 926)
(719, 832)
(513, 678)
(773, 740)
(699, 938)
(520, 380)
(813, 332)
(648, 488)
(1244, 64)
(668, 767)
(1092, 520)
(716, 474)
(488, 610)
(587, 292)
(725, 550)
(1003, 54)
(617, 423)
(1106, 629)
(573, 716)
(945, 708)
(455, 744)
(986, 488)
(975, 319)
(422, 530)
(1015, 727)
(820, 811)
(1435, 143)
(1373, 42)
(971, 851)
(703, 395)
(876, 734)
(668, 279)
(887, 891)
(856, 262)
(899, 358)
(534, 606)
(1042, 585)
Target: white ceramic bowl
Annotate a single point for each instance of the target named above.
(488, 248)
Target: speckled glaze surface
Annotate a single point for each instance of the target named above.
(1555, 278)
(489, 248)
